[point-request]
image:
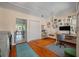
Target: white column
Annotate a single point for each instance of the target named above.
(77, 50)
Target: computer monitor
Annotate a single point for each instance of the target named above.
(64, 28)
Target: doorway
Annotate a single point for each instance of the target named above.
(20, 34)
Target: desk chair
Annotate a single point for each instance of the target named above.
(60, 38)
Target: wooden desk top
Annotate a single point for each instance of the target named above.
(73, 41)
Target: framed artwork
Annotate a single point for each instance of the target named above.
(60, 23)
(59, 20)
(56, 26)
(48, 24)
(69, 16)
(67, 24)
(55, 19)
(42, 26)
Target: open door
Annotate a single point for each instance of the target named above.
(20, 34)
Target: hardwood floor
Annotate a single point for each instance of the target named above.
(13, 51)
(38, 47)
(44, 41)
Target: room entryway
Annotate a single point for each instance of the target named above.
(20, 34)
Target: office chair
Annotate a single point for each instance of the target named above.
(60, 38)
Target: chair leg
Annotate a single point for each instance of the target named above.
(65, 45)
(60, 46)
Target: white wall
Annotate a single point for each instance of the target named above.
(8, 19)
(52, 30)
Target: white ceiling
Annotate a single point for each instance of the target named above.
(46, 9)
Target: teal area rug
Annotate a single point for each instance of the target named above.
(24, 50)
(56, 48)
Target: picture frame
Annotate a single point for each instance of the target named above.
(59, 20)
(48, 24)
(55, 19)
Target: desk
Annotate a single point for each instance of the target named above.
(70, 39)
(73, 41)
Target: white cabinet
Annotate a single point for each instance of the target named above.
(4, 44)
